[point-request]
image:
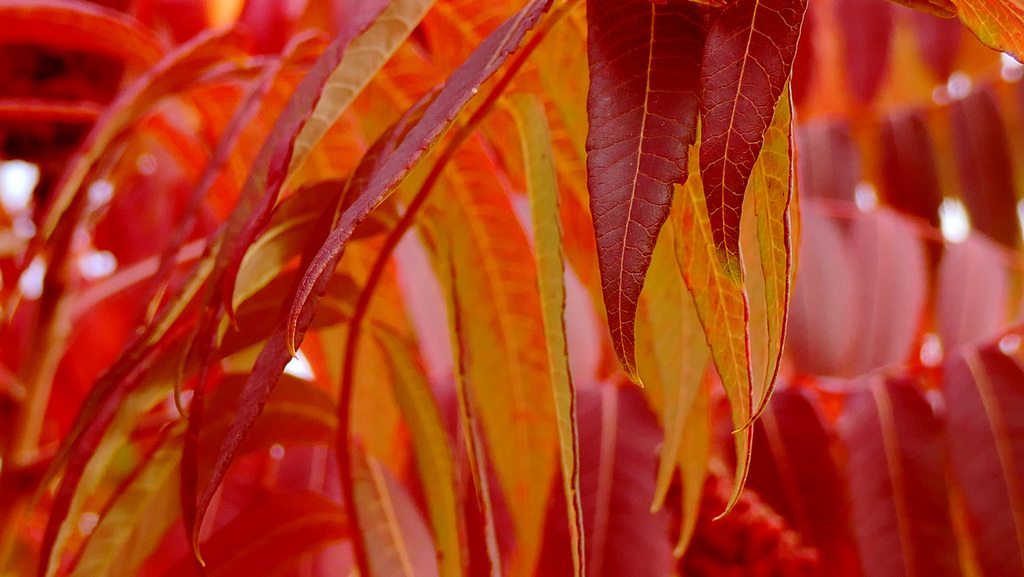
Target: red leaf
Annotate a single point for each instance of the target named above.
(270, 536)
(941, 8)
(866, 40)
(747, 61)
(910, 174)
(985, 404)
(939, 41)
(900, 500)
(794, 472)
(986, 167)
(81, 26)
(394, 165)
(972, 293)
(618, 465)
(828, 162)
(642, 106)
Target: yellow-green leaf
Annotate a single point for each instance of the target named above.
(541, 181)
(997, 23)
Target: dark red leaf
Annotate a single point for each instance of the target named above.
(866, 36)
(910, 175)
(900, 499)
(794, 472)
(940, 8)
(747, 60)
(642, 107)
(806, 63)
(985, 419)
(986, 167)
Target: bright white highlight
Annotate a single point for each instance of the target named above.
(98, 264)
(87, 523)
(1010, 344)
(958, 86)
(931, 350)
(865, 196)
(1012, 70)
(31, 282)
(100, 192)
(299, 367)
(956, 225)
(17, 181)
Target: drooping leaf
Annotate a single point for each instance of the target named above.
(269, 536)
(972, 294)
(722, 309)
(939, 40)
(535, 138)
(748, 57)
(432, 452)
(997, 23)
(501, 336)
(828, 163)
(985, 166)
(642, 107)
(899, 496)
(866, 37)
(771, 186)
(674, 356)
(940, 8)
(794, 471)
(80, 26)
(986, 438)
(396, 164)
(398, 541)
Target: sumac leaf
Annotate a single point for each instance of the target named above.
(973, 293)
(997, 23)
(642, 107)
(985, 401)
(866, 37)
(748, 57)
(910, 174)
(900, 501)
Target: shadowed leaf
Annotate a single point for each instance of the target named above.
(910, 174)
(749, 53)
(985, 400)
(642, 107)
(900, 499)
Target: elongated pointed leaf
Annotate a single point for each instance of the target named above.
(985, 401)
(911, 176)
(771, 185)
(78, 26)
(542, 179)
(501, 337)
(722, 309)
(866, 41)
(642, 107)
(899, 495)
(972, 292)
(394, 166)
(747, 60)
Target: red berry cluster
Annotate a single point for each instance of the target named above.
(751, 541)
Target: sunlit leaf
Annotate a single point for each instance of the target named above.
(747, 60)
(997, 23)
(642, 107)
(972, 294)
(722, 308)
(501, 336)
(542, 189)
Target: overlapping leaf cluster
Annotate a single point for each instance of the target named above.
(426, 203)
